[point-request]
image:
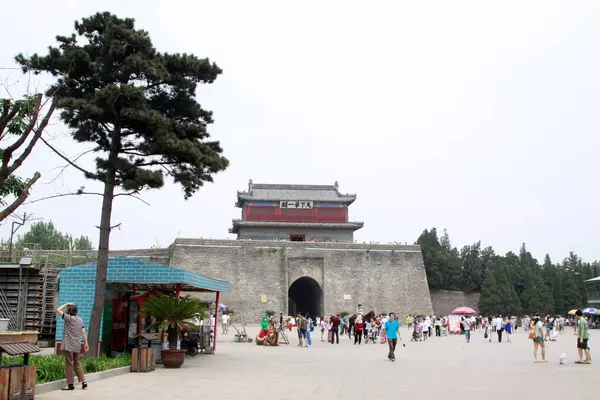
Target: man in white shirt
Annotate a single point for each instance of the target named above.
(498, 327)
(225, 324)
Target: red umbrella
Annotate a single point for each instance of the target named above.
(464, 311)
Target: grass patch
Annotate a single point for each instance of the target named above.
(52, 368)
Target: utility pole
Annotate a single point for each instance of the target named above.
(15, 227)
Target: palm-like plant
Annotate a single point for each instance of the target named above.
(172, 313)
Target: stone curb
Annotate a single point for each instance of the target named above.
(96, 376)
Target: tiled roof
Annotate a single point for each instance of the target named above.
(268, 224)
(18, 348)
(276, 192)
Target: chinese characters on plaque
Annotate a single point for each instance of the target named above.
(295, 204)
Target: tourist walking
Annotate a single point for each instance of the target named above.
(358, 329)
(466, 323)
(392, 332)
(438, 327)
(309, 331)
(302, 327)
(425, 328)
(582, 339)
(536, 333)
(508, 329)
(224, 324)
(71, 345)
(335, 329)
(322, 327)
(498, 327)
(384, 320)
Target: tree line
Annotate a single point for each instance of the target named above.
(48, 237)
(510, 284)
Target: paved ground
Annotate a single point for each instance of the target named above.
(440, 367)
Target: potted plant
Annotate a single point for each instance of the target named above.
(173, 313)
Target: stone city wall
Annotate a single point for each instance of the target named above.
(445, 301)
(381, 277)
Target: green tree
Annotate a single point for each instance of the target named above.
(572, 296)
(489, 301)
(49, 238)
(138, 107)
(472, 267)
(432, 258)
(553, 281)
(82, 243)
(452, 270)
(20, 129)
(509, 301)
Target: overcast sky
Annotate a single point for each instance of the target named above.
(478, 117)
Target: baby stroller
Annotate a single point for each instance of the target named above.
(417, 335)
(371, 335)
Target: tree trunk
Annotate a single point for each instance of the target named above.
(172, 337)
(102, 264)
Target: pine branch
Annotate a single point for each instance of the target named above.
(81, 192)
(62, 168)
(132, 194)
(8, 152)
(86, 173)
(21, 198)
(36, 136)
(8, 113)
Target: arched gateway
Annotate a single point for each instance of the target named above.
(305, 295)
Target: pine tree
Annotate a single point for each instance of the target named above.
(452, 272)
(490, 298)
(432, 258)
(138, 107)
(572, 296)
(472, 267)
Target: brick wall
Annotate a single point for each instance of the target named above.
(78, 284)
(445, 301)
(381, 277)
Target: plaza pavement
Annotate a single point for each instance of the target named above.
(445, 366)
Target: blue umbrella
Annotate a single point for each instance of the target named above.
(222, 307)
(590, 310)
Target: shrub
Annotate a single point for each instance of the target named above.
(52, 368)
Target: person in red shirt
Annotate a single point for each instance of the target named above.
(335, 329)
(358, 328)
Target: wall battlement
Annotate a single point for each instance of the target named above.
(297, 245)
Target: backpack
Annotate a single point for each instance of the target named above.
(533, 332)
(303, 324)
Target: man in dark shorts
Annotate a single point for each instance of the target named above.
(582, 339)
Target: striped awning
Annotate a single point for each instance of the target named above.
(18, 348)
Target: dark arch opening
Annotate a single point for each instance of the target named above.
(305, 296)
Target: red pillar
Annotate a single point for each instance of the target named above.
(178, 290)
(139, 321)
(216, 322)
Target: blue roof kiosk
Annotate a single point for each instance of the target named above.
(126, 276)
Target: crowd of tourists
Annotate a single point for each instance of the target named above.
(374, 328)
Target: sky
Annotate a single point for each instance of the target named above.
(477, 117)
